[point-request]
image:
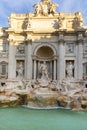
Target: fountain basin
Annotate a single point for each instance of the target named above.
(19, 118)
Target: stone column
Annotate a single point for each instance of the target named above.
(51, 69)
(12, 61)
(61, 60)
(80, 57)
(75, 61)
(29, 60)
(34, 69)
(54, 70)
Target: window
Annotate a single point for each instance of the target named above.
(4, 69)
(4, 47)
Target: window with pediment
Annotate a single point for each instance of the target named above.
(3, 47)
(3, 69)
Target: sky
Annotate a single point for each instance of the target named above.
(24, 6)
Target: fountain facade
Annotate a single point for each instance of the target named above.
(44, 66)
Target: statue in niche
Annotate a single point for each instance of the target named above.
(44, 71)
(20, 70)
(69, 69)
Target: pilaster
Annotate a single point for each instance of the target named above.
(29, 60)
(11, 61)
(80, 56)
(29, 57)
(35, 70)
(61, 63)
(54, 69)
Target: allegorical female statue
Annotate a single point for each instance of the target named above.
(69, 69)
(44, 71)
(20, 70)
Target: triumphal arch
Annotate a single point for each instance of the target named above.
(56, 39)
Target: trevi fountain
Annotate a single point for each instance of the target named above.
(43, 70)
(44, 67)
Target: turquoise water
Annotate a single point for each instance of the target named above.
(20, 118)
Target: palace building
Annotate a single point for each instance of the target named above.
(57, 39)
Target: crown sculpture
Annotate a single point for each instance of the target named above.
(45, 8)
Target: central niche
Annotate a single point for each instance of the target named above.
(44, 54)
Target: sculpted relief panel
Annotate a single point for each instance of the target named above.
(70, 49)
(20, 49)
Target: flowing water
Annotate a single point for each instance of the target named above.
(20, 118)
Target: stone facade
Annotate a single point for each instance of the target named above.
(56, 38)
